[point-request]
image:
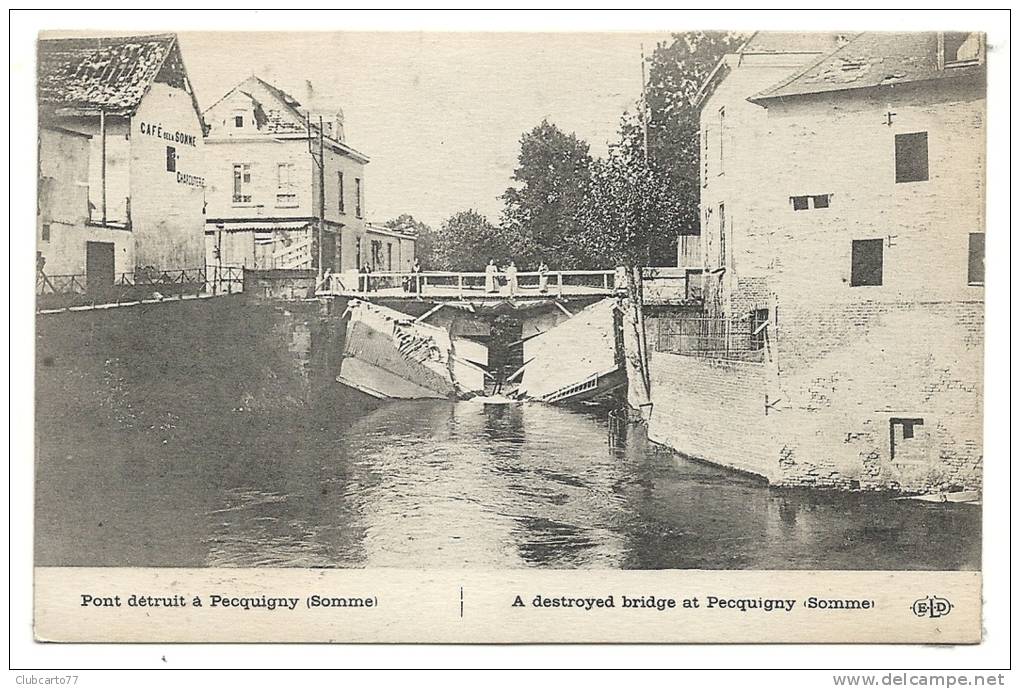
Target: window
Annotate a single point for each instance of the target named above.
(357, 249)
(285, 193)
(976, 259)
(759, 326)
(903, 436)
(389, 257)
(376, 253)
(722, 235)
(912, 157)
(242, 183)
(46, 232)
(171, 159)
(357, 197)
(340, 191)
(957, 48)
(866, 262)
(803, 203)
(722, 134)
(707, 237)
(238, 121)
(704, 158)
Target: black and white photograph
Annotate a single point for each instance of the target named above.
(651, 326)
(675, 303)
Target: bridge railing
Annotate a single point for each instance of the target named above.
(473, 283)
(68, 291)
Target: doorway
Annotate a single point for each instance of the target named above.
(99, 273)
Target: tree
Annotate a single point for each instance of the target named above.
(623, 215)
(467, 241)
(424, 246)
(551, 177)
(676, 72)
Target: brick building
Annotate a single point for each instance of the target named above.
(843, 205)
(120, 158)
(265, 187)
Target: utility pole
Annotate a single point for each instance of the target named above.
(102, 164)
(644, 104)
(320, 163)
(638, 295)
(322, 194)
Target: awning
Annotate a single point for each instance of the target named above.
(257, 225)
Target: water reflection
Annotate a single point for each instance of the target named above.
(439, 484)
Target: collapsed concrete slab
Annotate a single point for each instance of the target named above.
(577, 359)
(390, 355)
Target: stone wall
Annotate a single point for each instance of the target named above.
(713, 410)
(844, 382)
(293, 284)
(223, 355)
(848, 372)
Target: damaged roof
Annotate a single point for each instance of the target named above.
(769, 43)
(789, 42)
(112, 74)
(288, 120)
(868, 60)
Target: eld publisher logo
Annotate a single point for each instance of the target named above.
(932, 606)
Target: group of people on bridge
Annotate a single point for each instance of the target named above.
(493, 277)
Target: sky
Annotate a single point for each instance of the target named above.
(439, 114)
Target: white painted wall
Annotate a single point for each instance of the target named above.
(63, 206)
(167, 207)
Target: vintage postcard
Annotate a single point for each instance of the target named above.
(430, 337)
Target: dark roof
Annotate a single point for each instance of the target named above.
(113, 74)
(869, 60)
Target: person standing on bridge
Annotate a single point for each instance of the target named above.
(543, 277)
(511, 279)
(416, 276)
(491, 274)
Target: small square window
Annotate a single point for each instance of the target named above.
(976, 259)
(46, 232)
(239, 121)
(800, 203)
(821, 201)
(902, 434)
(866, 262)
(912, 157)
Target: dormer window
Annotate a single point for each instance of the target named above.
(959, 48)
(238, 120)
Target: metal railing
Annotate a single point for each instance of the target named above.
(143, 284)
(528, 283)
(736, 338)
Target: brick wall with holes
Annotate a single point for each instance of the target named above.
(869, 395)
(881, 395)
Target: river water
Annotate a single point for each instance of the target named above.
(447, 485)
